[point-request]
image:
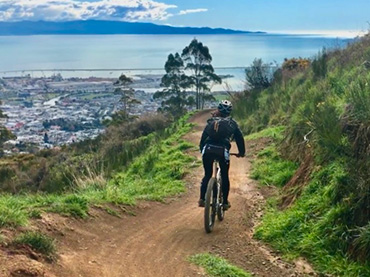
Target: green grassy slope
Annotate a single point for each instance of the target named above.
(152, 175)
(328, 103)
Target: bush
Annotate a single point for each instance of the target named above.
(258, 75)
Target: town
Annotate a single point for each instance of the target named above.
(44, 112)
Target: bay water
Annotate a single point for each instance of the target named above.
(111, 55)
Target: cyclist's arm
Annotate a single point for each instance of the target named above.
(239, 139)
(203, 140)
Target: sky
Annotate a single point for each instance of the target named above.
(279, 16)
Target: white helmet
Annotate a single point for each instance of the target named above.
(225, 107)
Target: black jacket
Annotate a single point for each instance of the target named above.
(235, 134)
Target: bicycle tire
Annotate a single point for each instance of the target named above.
(220, 210)
(210, 207)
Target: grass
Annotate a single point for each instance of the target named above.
(270, 168)
(217, 266)
(153, 175)
(38, 242)
(313, 227)
(158, 173)
(112, 212)
(327, 105)
(271, 132)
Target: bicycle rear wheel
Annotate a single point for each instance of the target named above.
(220, 210)
(210, 206)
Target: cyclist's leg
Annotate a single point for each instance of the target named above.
(207, 165)
(224, 166)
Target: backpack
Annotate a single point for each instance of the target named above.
(220, 128)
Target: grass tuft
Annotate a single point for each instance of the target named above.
(217, 266)
(71, 205)
(38, 242)
(271, 132)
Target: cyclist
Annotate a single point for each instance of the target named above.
(217, 146)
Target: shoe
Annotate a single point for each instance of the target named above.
(201, 203)
(227, 206)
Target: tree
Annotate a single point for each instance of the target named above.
(5, 134)
(174, 82)
(198, 61)
(46, 138)
(127, 93)
(257, 76)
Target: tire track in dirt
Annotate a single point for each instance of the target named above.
(158, 240)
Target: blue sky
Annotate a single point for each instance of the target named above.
(263, 15)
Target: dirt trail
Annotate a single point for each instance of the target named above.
(158, 240)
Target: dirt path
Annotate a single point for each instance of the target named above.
(158, 240)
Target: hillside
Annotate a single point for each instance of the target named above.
(319, 111)
(114, 227)
(90, 27)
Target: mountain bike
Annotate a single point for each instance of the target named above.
(213, 201)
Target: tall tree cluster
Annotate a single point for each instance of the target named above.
(191, 70)
(174, 84)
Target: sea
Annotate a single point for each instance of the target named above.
(111, 55)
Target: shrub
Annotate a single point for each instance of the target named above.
(258, 75)
(320, 65)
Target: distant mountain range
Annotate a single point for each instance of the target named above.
(90, 27)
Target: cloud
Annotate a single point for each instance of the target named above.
(192, 11)
(63, 10)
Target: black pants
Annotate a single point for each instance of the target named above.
(208, 170)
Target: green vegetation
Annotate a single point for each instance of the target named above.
(122, 87)
(57, 171)
(276, 133)
(152, 175)
(175, 82)
(198, 61)
(271, 169)
(216, 266)
(316, 228)
(38, 242)
(71, 126)
(323, 104)
(257, 76)
(193, 69)
(4, 133)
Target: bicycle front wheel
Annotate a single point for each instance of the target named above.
(210, 206)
